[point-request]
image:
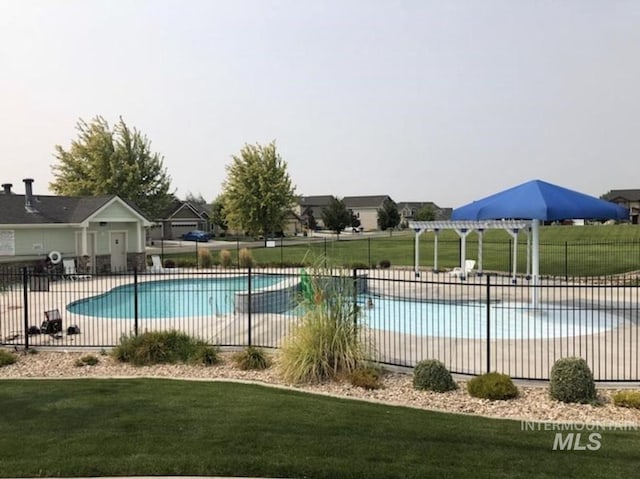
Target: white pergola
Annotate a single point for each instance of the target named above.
(464, 227)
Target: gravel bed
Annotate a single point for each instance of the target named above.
(533, 404)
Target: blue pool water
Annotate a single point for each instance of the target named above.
(175, 298)
(208, 297)
(469, 319)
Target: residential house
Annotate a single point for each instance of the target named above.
(365, 208)
(179, 218)
(408, 210)
(102, 233)
(312, 206)
(629, 199)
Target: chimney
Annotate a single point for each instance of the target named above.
(28, 194)
(7, 188)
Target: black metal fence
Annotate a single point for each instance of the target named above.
(566, 258)
(474, 324)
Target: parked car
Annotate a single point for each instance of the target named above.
(197, 235)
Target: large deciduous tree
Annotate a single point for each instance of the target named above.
(117, 161)
(258, 192)
(336, 216)
(388, 215)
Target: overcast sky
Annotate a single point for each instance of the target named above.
(444, 101)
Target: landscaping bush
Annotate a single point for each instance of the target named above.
(161, 347)
(6, 358)
(432, 375)
(326, 343)
(571, 381)
(366, 376)
(88, 360)
(245, 259)
(185, 262)
(251, 358)
(384, 264)
(492, 386)
(169, 263)
(627, 399)
(205, 260)
(225, 258)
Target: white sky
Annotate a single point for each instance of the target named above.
(445, 101)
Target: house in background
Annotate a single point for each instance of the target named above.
(408, 210)
(629, 199)
(179, 218)
(365, 208)
(311, 207)
(102, 233)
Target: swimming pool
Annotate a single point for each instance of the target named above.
(468, 319)
(173, 298)
(210, 297)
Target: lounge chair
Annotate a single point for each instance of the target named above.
(52, 324)
(70, 271)
(465, 271)
(156, 264)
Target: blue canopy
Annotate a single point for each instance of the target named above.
(539, 200)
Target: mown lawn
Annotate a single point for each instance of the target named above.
(98, 427)
(592, 250)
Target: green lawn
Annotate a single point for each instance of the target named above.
(564, 250)
(118, 427)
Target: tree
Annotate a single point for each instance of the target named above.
(426, 213)
(335, 215)
(258, 191)
(218, 216)
(388, 215)
(195, 200)
(118, 161)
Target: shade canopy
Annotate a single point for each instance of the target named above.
(539, 200)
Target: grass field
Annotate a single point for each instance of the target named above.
(96, 427)
(593, 250)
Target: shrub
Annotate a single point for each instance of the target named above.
(366, 376)
(384, 264)
(88, 360)
(492, 386)
(627, 399)
(572, 381)
(185, 262)
(327, 342)
(205, 355)
(432, 375)
(162, 347)
(6, 358)
(245, 259)
(251, 358)
(205, 260)
(169, 263)
(225, 258)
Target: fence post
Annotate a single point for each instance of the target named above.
(238, 252)
(249, 306)
(282, 250)
(355, 297)
(135, 301)
(566, 261)
(25, 300)
(488, 323)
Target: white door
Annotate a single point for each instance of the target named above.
(118, 252)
